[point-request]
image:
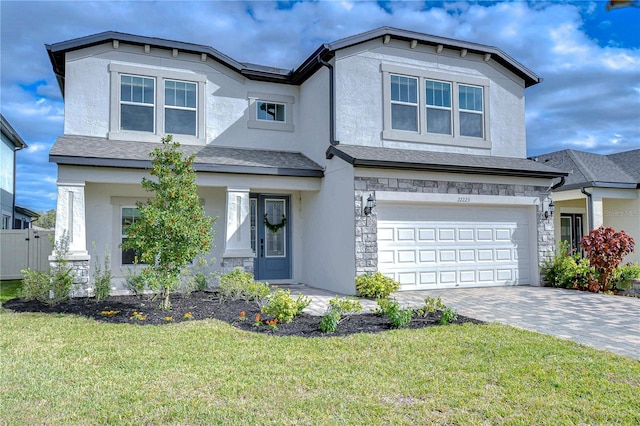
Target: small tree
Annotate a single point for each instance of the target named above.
(172, 229)
(605, 248)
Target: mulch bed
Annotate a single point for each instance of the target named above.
(203, 305)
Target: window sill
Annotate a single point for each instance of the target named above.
(403, 136)
(270, 125)
(152, 137)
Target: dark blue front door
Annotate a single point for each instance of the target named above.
(273, 236)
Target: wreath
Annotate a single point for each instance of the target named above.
(274, 227)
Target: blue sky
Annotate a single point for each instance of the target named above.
(589, 58)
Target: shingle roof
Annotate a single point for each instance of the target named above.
(367, 156)
(587, 169)
(93, 151)
(628, 161)
(326, 51)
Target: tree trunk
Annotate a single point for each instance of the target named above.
(165, 304)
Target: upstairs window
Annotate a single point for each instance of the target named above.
(148, 103)
(471, 121)
(435, 107)
(404, 103)
(438, 107)
(180, 108)
(137, 103)
(271, 111)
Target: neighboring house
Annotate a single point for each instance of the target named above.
(389, 151)
(11, 142)
(24, 218)
(600, 190)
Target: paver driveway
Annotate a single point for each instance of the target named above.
(598, 320)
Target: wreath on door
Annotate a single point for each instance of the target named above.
(274, 227)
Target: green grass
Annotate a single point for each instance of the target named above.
(9, 289)
(71, 370)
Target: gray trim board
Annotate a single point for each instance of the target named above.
(399, 159)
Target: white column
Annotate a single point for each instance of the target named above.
(238, 229)
(598, 212)
(70, 217)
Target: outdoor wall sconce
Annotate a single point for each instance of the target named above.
(371, 203)
(549, 212)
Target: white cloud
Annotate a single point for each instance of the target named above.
(589, 98)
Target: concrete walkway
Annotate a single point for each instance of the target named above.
(601, 321)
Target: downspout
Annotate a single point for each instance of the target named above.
(332, 97)
(589, 207)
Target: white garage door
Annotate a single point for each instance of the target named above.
(442, 246)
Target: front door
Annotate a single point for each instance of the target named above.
(271, 236)
(571, 230)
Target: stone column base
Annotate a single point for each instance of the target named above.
(80, 268)
(230, 263)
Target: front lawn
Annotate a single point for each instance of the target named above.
(63, 369)
(9, 289)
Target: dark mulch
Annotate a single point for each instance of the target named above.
(203, 305)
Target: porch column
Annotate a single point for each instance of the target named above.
(237, 248)
(598, 212)
(70, 236)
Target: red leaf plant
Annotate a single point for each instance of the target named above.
(605, 248)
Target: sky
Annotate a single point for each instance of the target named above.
(589, 58)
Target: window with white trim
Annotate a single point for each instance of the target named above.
(271, 111)
(404, 103)
(148, 103)
(137, 103)
(438, 98)
(470, 108)
(268, 111)
(435, 107)
(180, 107)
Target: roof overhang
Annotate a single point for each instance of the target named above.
(459, 164)
(11, 134)
(309, 66)
(612, 185)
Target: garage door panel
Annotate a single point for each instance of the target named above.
(453, 246)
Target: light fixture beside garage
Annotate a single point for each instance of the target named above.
(371, 203)
(550, 210)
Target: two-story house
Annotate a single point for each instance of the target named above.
(389, 151)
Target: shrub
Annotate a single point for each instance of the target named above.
(376, 286)
(449, 315)
(330, 320)
(282, 306)
(345, 305)
(431, 305)
(258, 292)
(334, 315)
(605, 248)
(201, 281)
(35, 285)
(61, 273)
(102, 277)
(623, 275)
(135, 282)
(567, 271)
(399, 318)
(235, 284)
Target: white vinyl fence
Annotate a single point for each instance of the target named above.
(22, 249)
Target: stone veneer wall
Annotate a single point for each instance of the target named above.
(82, 286)
(367, 226)
(230, 263)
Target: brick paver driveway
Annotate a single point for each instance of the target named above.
(601, 321)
